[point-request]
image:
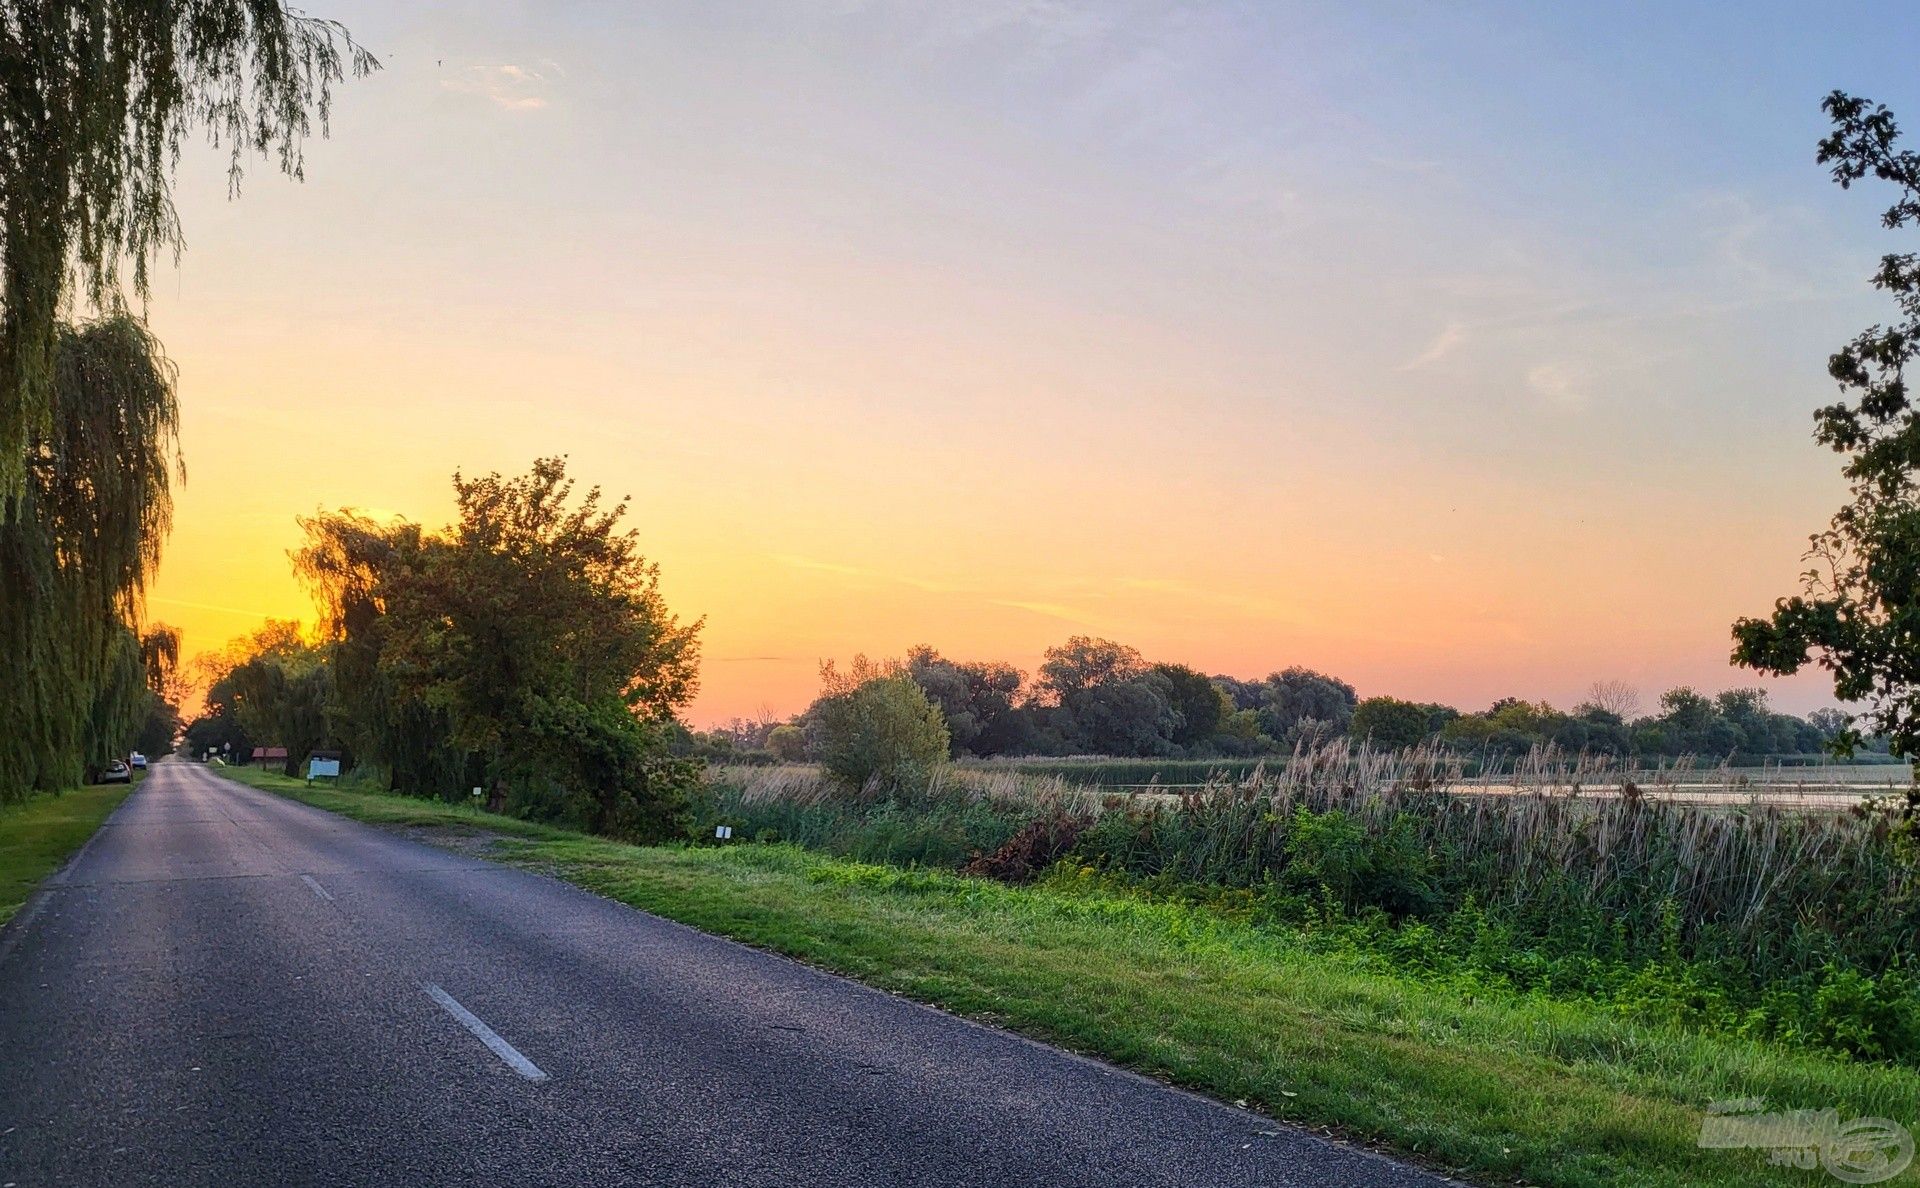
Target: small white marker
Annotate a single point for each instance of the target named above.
(322, 892)
(485, 1034)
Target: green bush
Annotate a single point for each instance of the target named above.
(883, 733)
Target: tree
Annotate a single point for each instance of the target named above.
(875, 728)
(96, 97)
(355, 568)
(95, 506)
(1198, 704)
(788, 743)
(1084, 662)
(1616, 698)
(1390, 723)
(1135, 716)
(536, 631)
(275, 685)
(1827, 724)
(979, 700)
(1859, 611)
(1296, 695)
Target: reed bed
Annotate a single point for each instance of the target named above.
(1774, 886)
(1568, 877)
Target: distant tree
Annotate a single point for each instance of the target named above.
(162, 725)
(1245, 695)
(1616, 698)
(1240, 734)
(1827, 724)
(1860, 609)
(1296, 695)
(1390, 723)
(1686, 711)
(217, 731)
(1084, 662)
(876, 729)
(788, 743)
(1133, 717)
(978, 699)
(1106, 700)
(281, 700)
(1198, 704)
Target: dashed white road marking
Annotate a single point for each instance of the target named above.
(486, 1035)
(314, 883)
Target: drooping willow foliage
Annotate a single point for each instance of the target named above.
(96, 504)
(95, 97)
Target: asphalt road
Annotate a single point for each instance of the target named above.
(227, 988)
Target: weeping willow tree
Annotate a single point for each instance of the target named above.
(95, 97)
(96, 503)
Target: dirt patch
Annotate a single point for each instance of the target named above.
(461, 839)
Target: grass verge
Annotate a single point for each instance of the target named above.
(1496, 1087)
(37, 834)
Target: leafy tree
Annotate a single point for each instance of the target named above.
(1827, 724)
(96, 97)
(788, 743)
(1198, 704)
(979, 700)
(873, 727)
(1239, 734)
(1297, 695)
(1245, 695)
(1687, 711)
(1084, 662)
(279, 692)
(94, 507)
(1390, 723)
(533, 634)
(355, 567)
(1859, 612)
(1135, 716)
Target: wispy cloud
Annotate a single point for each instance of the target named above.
(1443, 344)
(505, 84)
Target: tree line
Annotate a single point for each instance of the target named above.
(1094, 696)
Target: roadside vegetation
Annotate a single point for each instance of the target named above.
(1311, 1019)
(38, 833)
(1744, 918)
(524, 649)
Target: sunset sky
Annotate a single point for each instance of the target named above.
(1458, 350)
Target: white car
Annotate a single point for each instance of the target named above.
(137, 761)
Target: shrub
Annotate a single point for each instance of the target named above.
(883, 733)
(788, 743)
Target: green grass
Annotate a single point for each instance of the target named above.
(1495, 1086)
(37, 834)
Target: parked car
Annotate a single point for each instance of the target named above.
(137, 761)
(115, 773)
